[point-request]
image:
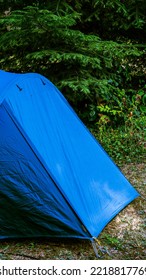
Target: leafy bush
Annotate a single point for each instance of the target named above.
(124, 144)
(97, 76)
(87, 48)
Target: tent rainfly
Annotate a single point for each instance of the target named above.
(55, 178)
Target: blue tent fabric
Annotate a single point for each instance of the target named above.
(55, 178)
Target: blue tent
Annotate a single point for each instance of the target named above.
(55, 179)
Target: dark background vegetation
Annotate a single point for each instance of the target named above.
(95, 53)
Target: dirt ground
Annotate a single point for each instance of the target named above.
(123, 238)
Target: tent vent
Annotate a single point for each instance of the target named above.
(43, 82)
(19, 87)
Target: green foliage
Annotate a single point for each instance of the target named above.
(118, 105)
(112, 241)
(115, 18)
(40, 40)
(125, 143)
(94, 51)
